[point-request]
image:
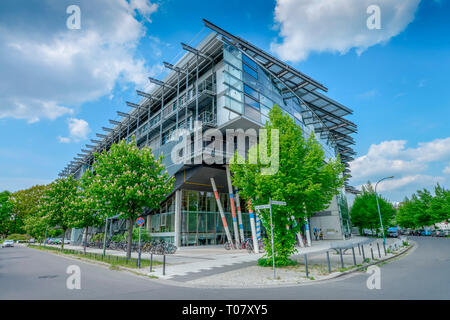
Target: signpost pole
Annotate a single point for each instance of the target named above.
(104, 238)
(139, 257)
(271, 228)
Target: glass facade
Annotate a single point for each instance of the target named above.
(201, 223)
(250, 89)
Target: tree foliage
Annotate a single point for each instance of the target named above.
(305, 180)
(27, 205)
(364, 212)
(126, 180)
(424, 209)
(58, 205)
(6, 211)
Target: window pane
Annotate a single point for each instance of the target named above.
(249, 61)
(251, 102)
(250, 71)
(250, 91)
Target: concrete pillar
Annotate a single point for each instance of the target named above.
(178, 196)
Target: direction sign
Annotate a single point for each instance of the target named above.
(140, 221)
(265, 206)
(280, 203)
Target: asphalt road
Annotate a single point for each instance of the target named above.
(31, 274)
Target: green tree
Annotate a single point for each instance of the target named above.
(27, 203)
(440, 205)
(364, 212)
(422, 215)
(305, 180)
(87, 210)
(6, 211)
(405, 214)
(35, 226)
(58, 205)
(128, 179)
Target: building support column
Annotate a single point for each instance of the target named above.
(222, 214)
(253, 227)
(233, 209)
(239, 211)
(178, 196)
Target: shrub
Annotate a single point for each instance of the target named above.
(98, 237)
(16, 236)
(267, 262)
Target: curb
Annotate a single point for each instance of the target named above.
(312, 282)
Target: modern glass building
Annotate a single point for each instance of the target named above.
(226, 83)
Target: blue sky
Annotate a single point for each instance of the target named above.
(58, 87)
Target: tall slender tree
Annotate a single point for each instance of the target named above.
(306, 180)
(128, 179)
(58, 205)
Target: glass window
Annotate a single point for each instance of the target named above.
(252, 92)
(232, 55)
(251, 102)
(250, 62)
(232, 81)
(235, 94)
(235, 72)
(250, 71)
(234, 105)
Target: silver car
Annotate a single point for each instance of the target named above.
(8, 243)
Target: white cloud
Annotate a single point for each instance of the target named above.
(63, 139)
(78, 130)
(446, 170)
(408, 165)
(48, 69)
(336, 25)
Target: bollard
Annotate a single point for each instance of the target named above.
(354, 258)
(306, 266)
(364, 256)
(164, 265)
(151, 262)
(371, 252)
(328, 260)
(379, 253)
(342, 259)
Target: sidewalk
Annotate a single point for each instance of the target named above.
(195, 262)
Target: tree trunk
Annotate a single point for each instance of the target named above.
(63, 236)
(85, 240)
(130, 237)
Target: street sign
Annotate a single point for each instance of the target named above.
(265, 206)
(280, 203)
(140, 221)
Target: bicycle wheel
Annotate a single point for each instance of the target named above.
(249, 247)
(227, 246)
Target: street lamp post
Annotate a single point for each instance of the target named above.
(378, 206)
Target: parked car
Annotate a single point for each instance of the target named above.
(442, 233)
(426, 232)
(393, 232)
(8, 243)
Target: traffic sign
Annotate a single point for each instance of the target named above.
(280, 203)
(140, 221)
(265, 206)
